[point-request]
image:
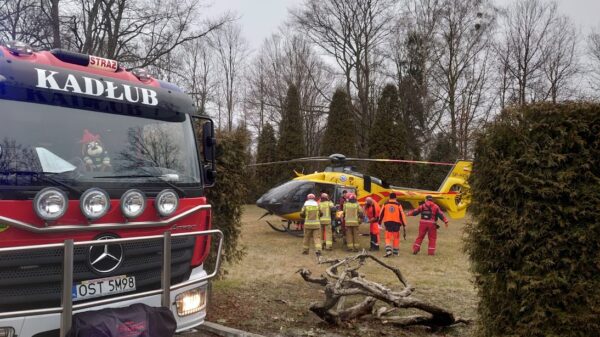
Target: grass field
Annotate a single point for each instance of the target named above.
(264, 294)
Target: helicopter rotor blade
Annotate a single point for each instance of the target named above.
(339, 159)
(298, 160)
(402, 161)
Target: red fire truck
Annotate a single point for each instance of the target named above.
(103, 174)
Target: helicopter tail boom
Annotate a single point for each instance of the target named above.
(455, 190)
(458, 175)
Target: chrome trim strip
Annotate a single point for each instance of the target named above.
(66, 301)
(101, 226)
(165, 275)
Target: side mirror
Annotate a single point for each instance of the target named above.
(207, 143)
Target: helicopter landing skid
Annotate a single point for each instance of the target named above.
(284, 229)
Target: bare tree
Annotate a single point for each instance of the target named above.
(506, 82)
(561, 63)
(350, 31)
(136, 32)
(410, 52)
(24, 20)
(460, 68)
(283, 60)
(231, 49)
(198, 73)
(257, 100)
(438, 55)
(527, 27)
(593, 46)
(476, 102)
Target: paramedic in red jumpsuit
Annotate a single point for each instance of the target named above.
(428, 224)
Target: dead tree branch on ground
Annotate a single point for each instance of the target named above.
(342, 279)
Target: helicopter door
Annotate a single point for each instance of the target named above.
(325, 188)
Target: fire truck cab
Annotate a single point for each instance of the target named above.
(103, 174)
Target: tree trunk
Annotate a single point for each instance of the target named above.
(55, 23)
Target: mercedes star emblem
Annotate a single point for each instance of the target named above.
(104, 258)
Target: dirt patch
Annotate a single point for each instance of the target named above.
(264, 294)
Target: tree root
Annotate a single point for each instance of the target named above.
(342, 279)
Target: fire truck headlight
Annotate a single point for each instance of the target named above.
(166, 202)
(94, 203)
(7, 332)
(133, 203)
(50, 203)
(190, 302)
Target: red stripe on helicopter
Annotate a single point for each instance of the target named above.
(375, 197)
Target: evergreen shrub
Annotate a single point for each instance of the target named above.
(534, 242)
(228, 195)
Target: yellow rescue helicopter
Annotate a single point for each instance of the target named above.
(286, 200)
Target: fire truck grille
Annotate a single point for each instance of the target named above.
(32, 280)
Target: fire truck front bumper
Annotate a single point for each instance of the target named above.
(187, 299)
(188, 305)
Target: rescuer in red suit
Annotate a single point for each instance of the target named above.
(428, 224)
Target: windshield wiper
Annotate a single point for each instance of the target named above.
(44, 176)
(158, 178)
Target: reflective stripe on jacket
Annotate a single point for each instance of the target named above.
(310, 212)
(325, 208)
(351, 210)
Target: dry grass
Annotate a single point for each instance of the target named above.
(264, 294)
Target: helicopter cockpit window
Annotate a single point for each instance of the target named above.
(302, 192)
(282, 191)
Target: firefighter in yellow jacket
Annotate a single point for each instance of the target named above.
(352, 215)
(327, 208)
(312, 225)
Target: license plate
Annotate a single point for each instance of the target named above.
(103, 287)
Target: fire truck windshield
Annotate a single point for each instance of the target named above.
(85, 147)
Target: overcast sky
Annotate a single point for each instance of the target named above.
(261, 18)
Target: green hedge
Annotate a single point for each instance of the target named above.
(534, 243)
(228, 195)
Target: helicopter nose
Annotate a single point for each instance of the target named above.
(268, 204)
